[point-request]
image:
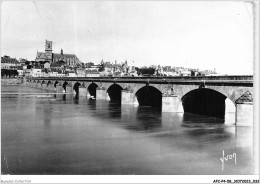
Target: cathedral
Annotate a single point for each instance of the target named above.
(49, 56)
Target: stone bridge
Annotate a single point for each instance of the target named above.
(202, 95)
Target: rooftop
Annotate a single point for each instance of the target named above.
(7, 59)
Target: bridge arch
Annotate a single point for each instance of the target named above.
(205, 101)
(149, 96)
(64, 85)
(55, 83)
(114, 92)
(76, 87)
(231, 92)
(49, 82)
(92, 89)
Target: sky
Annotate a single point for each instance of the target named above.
(192, 34)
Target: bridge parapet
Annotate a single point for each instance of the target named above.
(210, 80)
(220, 77)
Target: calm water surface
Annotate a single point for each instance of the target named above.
(63, 134)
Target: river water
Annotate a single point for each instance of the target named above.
(62, 134)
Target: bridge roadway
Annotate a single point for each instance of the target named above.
(172, 93)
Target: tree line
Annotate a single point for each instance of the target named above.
(9, 73)
(145, 71)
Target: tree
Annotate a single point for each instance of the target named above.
(127, 69)
(157, 72)
(29, 66)
(89, 64)
(4, 72)
(45, 70)
(102, 67)
(138, 71)
(192, 73)
(200, 74)
(146, 71)
(9, 73)
(83, 65)
(78, 65)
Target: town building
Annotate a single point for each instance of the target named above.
(9, 63)
(185, 72)
(80, 72)
(20, 72)
(49, 56)
(171, 72)
(36, 72)
(47, 65)
(92, 73)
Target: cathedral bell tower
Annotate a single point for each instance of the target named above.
(48, 50)
(62, 56)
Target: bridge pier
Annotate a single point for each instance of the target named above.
(50, 87)
(58, 89)
(44, 86)
(244, 110)
(128, 97)
(83, 91)
(244, 114)
(24, 81)
(38, 85)
(101, 94)
(171, 104)
(68, 89)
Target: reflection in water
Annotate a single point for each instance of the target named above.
(211, 132)
(91, 103)
(190, 118)
(47, 118)
(114, 109)
(171, 121)
(64, 97)
(47, 115)
(66, 134)
(148, 118)
(76, 98)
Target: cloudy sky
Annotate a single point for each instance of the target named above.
(199, 34)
